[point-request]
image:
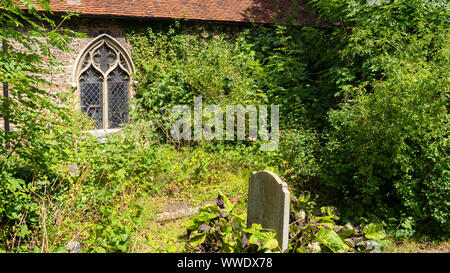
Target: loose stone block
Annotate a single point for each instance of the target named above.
(268, 205)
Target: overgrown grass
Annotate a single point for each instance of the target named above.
(111, 203)
(170, 235)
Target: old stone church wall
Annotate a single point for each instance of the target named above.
(92, 27)
(63, 75)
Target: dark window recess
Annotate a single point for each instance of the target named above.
(117, 98)
(91, 96)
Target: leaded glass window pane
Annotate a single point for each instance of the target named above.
(117, 98)
(91, 84)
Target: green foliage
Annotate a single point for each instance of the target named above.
(387, 147)
(216, 228)
(374, 232)
(100, 204)
(297, 157)
(44, 131)
(364, 111)
(174, 67)
(296, 66)
(167, 245)
(31, 108)
(331, 240)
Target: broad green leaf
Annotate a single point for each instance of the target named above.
(270, 244)
(229, 239)
(331, 239)
(210, 208)
(203, 217)
(197, 238)
(347, 231)
(374, 232)
(257, 238)
(254, 228)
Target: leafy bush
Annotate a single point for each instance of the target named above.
(388, 151)
(296, 64)
(33, 153)
(387, 146)
(173, 67)
(297, 157)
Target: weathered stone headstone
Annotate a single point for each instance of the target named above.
(268, 205)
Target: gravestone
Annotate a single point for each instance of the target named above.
(268, 205)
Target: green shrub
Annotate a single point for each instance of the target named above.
(296, 63)
(297, 157)
(173, 67)
(43, 132)
(387, 149)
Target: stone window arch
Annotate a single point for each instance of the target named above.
(103, 80)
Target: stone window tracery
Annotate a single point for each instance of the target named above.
(103, 77)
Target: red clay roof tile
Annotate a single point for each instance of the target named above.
(258, 11)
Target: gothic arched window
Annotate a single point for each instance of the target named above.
(103, 79)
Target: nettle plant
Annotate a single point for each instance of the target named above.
(216, 228)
